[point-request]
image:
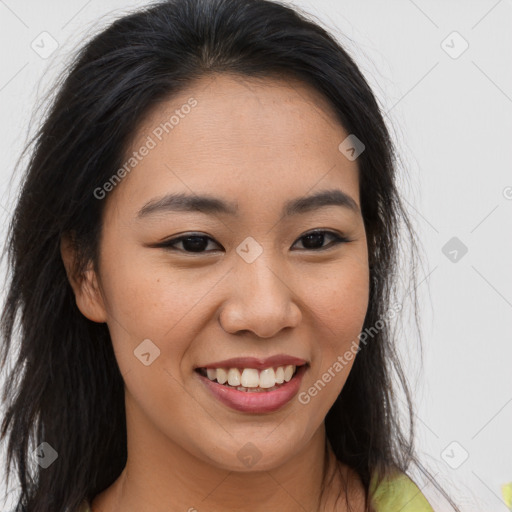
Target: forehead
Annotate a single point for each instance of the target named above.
(241, 136)
(249, 110)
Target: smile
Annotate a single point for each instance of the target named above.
(252, 390)
(251, 379)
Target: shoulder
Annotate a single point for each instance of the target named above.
(398, 492)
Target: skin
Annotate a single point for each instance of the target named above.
(260, 143)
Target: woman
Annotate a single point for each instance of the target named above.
(203, 259)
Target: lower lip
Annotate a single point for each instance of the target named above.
(256, 402)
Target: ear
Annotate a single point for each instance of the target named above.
(85, 286)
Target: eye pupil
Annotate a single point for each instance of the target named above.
(199, 243)
(315, 237)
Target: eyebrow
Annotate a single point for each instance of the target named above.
(180, 202)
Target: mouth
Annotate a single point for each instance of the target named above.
(252, 390)
(251, 380)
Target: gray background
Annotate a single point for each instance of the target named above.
(450, 112)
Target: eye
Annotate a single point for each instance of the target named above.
(191, 243)
(315, 238)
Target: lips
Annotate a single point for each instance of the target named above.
(252, 384)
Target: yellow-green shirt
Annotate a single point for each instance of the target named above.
(399, 493)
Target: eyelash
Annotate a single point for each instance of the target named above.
(337, 240)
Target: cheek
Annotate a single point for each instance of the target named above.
(144, 292)
(151, 327)
(340, 305)
(340, 300)
(145, 300)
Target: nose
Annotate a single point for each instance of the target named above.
(260, 300)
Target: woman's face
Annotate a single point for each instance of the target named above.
(249, 283)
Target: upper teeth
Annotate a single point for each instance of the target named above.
(250, 377)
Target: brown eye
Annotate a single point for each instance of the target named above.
(315, 239)
(193, 243)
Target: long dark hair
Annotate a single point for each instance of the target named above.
(65, 387)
